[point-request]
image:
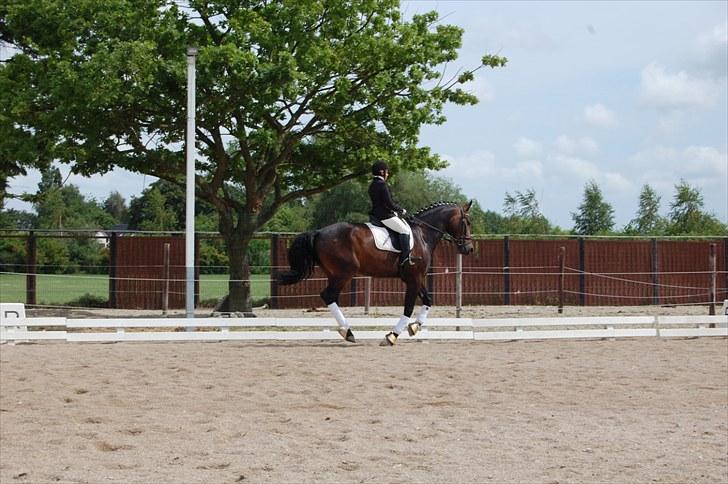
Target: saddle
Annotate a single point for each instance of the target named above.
(386, 238)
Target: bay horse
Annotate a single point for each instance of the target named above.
(344, 250)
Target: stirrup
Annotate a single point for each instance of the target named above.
(414, 328)
(347, 334)
(389, 339)
(409, 261)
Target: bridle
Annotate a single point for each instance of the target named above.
(459, 241)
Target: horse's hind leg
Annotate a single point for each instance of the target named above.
(330, 295)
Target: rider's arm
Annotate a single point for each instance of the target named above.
(389, 201)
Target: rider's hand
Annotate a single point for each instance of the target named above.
(404, 211)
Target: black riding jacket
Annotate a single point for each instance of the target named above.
(383, 206)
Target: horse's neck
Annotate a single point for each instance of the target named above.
(432, 235)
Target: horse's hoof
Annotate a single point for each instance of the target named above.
(389, 339)
(347, 334)
(414, 328)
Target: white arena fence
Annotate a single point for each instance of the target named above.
(16, 327)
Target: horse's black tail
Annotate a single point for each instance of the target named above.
(301, 257)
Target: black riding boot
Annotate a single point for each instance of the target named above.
(404, 247)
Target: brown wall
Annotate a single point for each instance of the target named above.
(526, 272)
(137, 281)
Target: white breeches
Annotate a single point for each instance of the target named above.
(398, 225)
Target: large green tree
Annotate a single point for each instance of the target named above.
(523, 214)
(595, 216)
(294, 97)
(687, 215)
(647, 220)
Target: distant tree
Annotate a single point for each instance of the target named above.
(348, 202)
(17, 220)
(174, 202)
(687, 216)
(115, 205)
(60, 206)
(595, 216)
(412, 190)
(647, 220)
(491, 222)
(12, 249)
(523, 214)
(156, 215)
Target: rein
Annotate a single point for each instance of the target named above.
(459, 241)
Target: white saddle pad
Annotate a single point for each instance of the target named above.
(382, 239)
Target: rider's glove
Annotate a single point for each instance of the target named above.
(403, 212)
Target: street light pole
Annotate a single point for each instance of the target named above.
(190, 187)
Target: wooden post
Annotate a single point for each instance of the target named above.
(31, 269)
(274, 241)
(562, 262)
(367, 294)
(165, 293)
(113, 250)
(713, 275)
(197, 270)
(353, 296)
(582, 275)
(655, 274)
(506, 270)
(458, 285)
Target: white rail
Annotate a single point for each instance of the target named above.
(16, 327)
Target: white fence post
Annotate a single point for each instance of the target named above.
(367, 294)
(12, 313)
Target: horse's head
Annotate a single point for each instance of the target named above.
(459, 228)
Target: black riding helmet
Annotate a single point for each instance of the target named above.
(379, 167)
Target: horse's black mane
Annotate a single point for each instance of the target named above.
(433, 206)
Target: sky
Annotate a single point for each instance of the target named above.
(621, 93)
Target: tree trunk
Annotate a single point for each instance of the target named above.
(239, 284)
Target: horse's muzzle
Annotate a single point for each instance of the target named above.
(466, 249)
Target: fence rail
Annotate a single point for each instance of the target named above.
(14, 326)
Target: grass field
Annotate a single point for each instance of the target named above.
(61, 289)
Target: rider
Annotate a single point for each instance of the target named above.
(386, 210)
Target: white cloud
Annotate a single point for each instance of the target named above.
(578, 171)
(694, 163)
(482, 89)
(532, 169)
(664, 90)
(575, 167)
(599, 115)
(706, 159)
(482, 165)
(527, 148)
(572, 146)
(712, 50)
(478, 164)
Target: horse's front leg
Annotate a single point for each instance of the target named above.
(414, 327)
(409, 305)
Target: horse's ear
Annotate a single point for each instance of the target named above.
(467, 206)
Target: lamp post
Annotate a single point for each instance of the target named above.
(191, 153)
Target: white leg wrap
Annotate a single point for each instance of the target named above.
(401, 324)
(422, 315)
(336, 311)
